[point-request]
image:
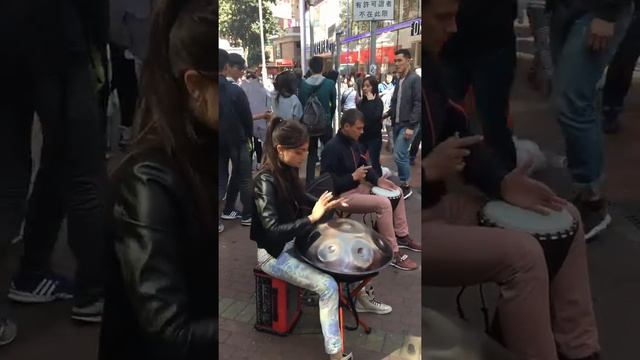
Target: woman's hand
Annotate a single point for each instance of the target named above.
(325, 204)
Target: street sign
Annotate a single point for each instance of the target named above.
(370, 10)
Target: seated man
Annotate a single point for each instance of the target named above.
(539, 318)
(343, 158)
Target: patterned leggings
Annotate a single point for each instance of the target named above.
(289, 268)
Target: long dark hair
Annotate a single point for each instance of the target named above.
(183, 37)
(285, 84)
(290, 135)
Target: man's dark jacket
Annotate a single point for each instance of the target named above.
(444, 119)
(341, 157)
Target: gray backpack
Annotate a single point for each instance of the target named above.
(314, 116)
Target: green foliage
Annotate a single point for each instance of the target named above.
(240, 24)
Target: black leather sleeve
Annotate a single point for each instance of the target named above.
(150, 260)
(267, 207)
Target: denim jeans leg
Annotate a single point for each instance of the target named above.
(401, 153)
(578, 70)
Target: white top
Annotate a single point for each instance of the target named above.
(349, 95)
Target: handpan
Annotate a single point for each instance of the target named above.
(347, 250)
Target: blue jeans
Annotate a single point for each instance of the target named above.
(374, 147)
(289, 268)
(401, 147)
(577, 72)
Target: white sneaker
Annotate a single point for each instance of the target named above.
(367, 302)
(220, 228)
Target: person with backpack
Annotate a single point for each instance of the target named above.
(286, 103)
(318, 97)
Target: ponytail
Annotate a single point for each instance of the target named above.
(289, 134)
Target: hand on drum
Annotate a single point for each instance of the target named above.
(386, 184)
(520, 190)
(447, 158)
(325, 204)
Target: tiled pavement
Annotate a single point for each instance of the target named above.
(394, 336)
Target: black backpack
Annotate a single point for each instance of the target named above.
(314, 116)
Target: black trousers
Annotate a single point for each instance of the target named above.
(620, 72)
(71, 180)
(491, 75)
(125, 81)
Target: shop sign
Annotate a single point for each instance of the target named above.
(370, 10)
(416, 28)
(324, 46)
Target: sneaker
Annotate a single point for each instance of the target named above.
(402, 262)
(40, 289)
(90, 311)
(367, 302)
(230, 215)
(595, 217)
(406, 190)
(246, 222)
(220, 228)
(8, 331)
(341, 356)
(406, 242)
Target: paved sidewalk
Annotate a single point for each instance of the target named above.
(394, 336)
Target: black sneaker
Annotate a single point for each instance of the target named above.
(89, 311)
(8, 331)
(246, 221)
(40, 289)
(230, 215)
(595, 217)
(406, 191)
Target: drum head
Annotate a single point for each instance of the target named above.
(508, 216)
(389, 193)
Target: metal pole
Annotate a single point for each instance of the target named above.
(303, 38)
(264, 61)
(372, 45)
(311, 53)
(339, 94)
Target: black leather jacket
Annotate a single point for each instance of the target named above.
(276, 222)
(161, 291)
